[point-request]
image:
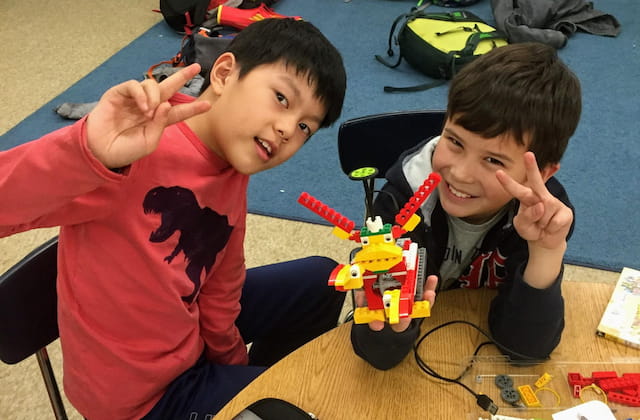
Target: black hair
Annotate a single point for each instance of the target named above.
(522, 89)
(299, 44)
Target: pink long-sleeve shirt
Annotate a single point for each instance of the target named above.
(128, 317)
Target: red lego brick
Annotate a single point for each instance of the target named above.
(618, 383)
(623, 399)
(577, 379)
(599, 375)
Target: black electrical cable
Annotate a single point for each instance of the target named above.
(482, 400)
(391, 196)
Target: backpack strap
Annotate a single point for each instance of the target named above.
(390, 48)
(417, 88)
(476, 38)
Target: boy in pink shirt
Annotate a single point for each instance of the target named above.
(149, 190)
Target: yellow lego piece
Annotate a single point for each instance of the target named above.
(342, 234)
(345, 280)
(391, 299)
(421, 309)
(378, 257)
(543, 380)
(341, 275)
(411, 223)
(352, 277)
(366, 315)
(528, 397)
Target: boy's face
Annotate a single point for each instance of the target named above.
(261, 120)
(467, 163)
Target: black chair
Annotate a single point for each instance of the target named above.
(378, 141)
(28, 314)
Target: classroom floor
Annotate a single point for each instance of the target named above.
(48, 46)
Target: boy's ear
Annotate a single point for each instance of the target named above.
(549, 170)
(222, 68)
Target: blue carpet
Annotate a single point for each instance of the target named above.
(600, 169)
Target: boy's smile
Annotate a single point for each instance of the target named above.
(260, 120)
(265, 149)
(468, 163)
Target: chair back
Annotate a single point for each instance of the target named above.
(28, 304)
(378, 140)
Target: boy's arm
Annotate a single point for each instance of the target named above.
(42, 176)
(219, 305)
(39, 178)
(128, 121)
(528, 314)
(524, 319)
(543, 221)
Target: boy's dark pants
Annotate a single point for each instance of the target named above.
(283, 306)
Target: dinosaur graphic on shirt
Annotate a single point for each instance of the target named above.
(203, 232)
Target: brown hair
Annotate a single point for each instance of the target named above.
(520, 89)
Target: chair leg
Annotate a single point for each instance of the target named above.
(51, 384)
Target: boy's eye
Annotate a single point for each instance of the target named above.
(454, 142)
(282, 99)
(305, 128)
(494, 161)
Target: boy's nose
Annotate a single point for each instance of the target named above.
(282, 134)
(285, 127)
(462, 173)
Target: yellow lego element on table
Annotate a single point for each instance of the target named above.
(366, 315)
(421, 309)
(543, 380)
(411, 223)
(391, 299)
(342, 234)
(528, 397)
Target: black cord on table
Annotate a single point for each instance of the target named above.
(482, 400)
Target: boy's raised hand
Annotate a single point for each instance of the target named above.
(128, 121)
(429, 295)
(542, 220)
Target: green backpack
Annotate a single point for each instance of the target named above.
(440, 44)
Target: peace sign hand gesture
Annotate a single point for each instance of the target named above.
(542, 220)
(128, 121)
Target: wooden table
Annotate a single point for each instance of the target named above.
(326, 378)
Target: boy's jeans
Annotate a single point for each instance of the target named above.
(284, 305)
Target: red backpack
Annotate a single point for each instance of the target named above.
(186, 16)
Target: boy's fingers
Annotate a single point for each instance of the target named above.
(182, 112)
(430, 289)
(152, 95)
(376, 325)
(560, 220)
(517, 190)
(534, 177)
(131, 90)
(429, 295)
(156, 126)
(402, 325)
(533, 214)
(173, 83)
